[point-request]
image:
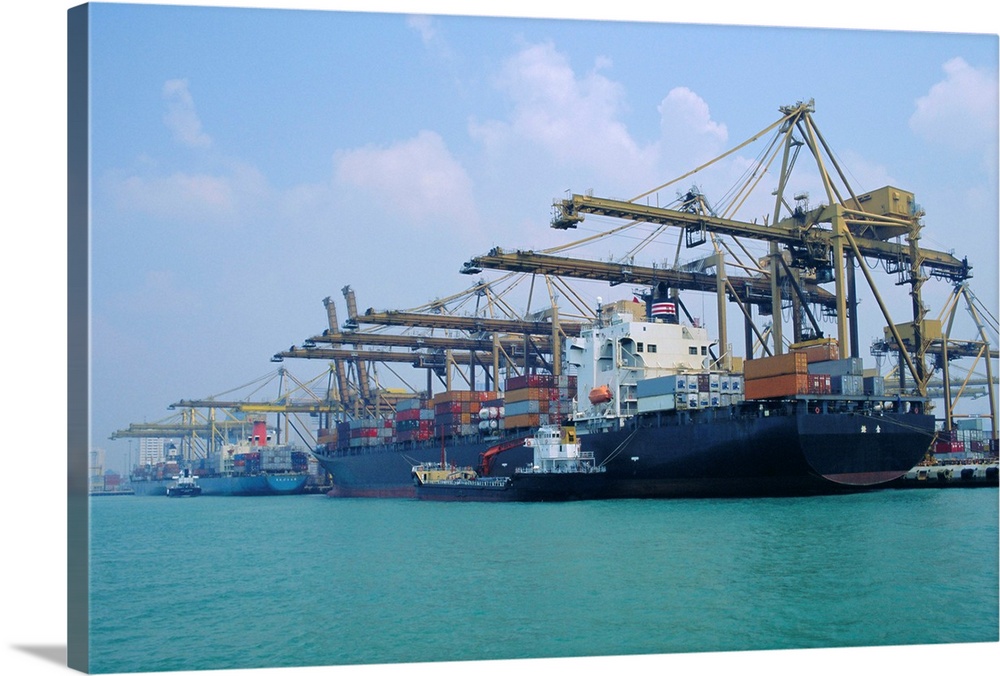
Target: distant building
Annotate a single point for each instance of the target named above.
(150, 451)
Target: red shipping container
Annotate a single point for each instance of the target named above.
(819, 383)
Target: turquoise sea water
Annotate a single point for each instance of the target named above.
(233, 583)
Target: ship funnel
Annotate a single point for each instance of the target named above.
(663, 309)
(259, 437)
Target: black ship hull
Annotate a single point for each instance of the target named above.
(746, 451)
(783, 448)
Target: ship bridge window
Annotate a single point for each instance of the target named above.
(638, 347)
(704, 350)
(693, 350)
(650, 347)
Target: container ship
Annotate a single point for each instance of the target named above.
(647, 408)
(252, 467)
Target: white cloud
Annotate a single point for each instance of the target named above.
(431, 36)
(688, 131)
(961, 110)
(181, 118)
(423, 25)
(419, 177)
(574, 119)
(227, 198)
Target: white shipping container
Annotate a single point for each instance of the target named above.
(662, 385)
(714, 382)
(661, 402)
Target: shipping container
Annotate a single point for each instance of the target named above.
(779, 365)
(658, 402)
(969, 423)
(851, 366)
(652, 387)
(777, 386)
(525, 394)
(847, 385)
(822, 349)
(702, 382)
(736, 384)
(530, 380)
(511, 422)
(874, 386)
(819, 383)
(413, 404)
(528, 406)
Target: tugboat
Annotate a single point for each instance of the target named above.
(559, 471)
(184, 486)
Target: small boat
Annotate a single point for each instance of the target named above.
(184, 486)
(559, 471)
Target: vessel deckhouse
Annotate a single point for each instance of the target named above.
(624, 347)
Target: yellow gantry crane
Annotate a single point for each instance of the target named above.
(806, 247)
(439, 341)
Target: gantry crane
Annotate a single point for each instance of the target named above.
(479, 340)
(806, 247)
(205, 423)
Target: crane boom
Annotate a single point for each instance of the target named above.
(798, 232)
(753, 290)
(470, 324)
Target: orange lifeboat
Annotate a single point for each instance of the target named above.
(600, 395)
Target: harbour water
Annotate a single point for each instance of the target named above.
(239, 583)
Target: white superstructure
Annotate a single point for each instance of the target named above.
(621, 350)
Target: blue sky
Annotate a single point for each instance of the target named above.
(249, 162)
(229, 196)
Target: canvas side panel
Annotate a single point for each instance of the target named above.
(78, 338)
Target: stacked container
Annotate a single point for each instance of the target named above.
(300, 462)
(456, 413)
(327, 437)
(845, 375)
(814, 368)
(537, 399)
(367, 432)
(247, 463)
(414, 420)
(782, 375)
(966, 437)
(686, 391)
(343, 434)
(275, 458)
